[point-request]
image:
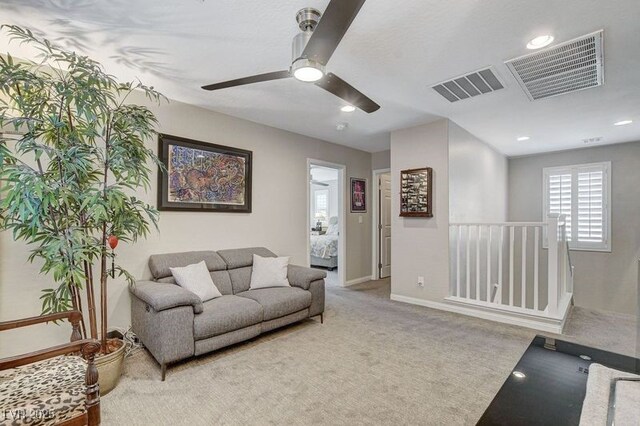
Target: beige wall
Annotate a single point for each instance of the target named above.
(420, 245)
(606, 281)
(278, 220)
(381, 160)
(477, 179)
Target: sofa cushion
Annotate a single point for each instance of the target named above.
(225, 314)
(240, 279)
(279, 301)
(239, 258)
(159, 264)
(220, 278)
(196, 279)
(269, 272)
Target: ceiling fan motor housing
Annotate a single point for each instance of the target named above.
(307, 20)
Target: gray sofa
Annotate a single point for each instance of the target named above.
(174, 324)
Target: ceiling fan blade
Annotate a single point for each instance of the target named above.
(332, 26)
(337, 86)
(249, 80)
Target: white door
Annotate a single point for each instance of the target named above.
(384, 225)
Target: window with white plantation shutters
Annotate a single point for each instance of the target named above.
(581, 193)
(559, 188)
(591, 206)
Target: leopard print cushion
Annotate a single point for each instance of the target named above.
(43, 393)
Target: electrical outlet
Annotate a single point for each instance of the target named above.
(360, 220)
(421, 281)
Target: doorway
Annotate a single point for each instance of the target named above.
(381, 224)
(325, 225)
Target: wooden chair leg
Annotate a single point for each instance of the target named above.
(92, 385)
(164, 371)
(322, 318)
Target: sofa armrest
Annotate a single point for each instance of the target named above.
(302, 277)
(162, 296)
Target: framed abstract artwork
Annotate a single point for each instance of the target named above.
(358, 195)
(200, 176)
(416, 192)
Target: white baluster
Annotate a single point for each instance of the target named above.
(552, 236)
(523, 284)
(500, 245)
(489, 263)
(459, 236)
(478, 262)
(511, 271)
(468, 294)
(536, 267)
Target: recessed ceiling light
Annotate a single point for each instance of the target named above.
(519, 374)
(623, 122)
(540, 42)
(348, 108)
(523, 138)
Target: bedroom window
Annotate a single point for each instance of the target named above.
(581, 193)
(321, 204)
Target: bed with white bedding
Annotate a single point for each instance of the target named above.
(324, 248)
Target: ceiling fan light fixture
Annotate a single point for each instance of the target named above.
(348, 108)
(307, 70)
(308, 74)
(311, 49)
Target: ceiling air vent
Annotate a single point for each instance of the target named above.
(469, 85)
(568, 67)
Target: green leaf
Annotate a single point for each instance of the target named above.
(78, 133)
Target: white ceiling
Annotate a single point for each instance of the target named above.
(393, 52)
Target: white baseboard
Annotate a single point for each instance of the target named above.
(358, 281)
(491, 315)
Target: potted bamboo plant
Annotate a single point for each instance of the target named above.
(72, 156)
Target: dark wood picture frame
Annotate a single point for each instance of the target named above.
(416, 188)
(354, 207)
(164, 204)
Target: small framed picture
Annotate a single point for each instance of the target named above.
(416, 192)
(358, 195)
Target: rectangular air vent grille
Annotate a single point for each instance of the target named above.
(469, 85)
(568, 67)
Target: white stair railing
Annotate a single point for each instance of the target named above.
(503, 265)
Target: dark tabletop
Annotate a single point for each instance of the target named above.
(553, 386)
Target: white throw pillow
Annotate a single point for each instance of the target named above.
(269, 272)
(196, 279)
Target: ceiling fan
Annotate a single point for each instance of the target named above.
(312, 49)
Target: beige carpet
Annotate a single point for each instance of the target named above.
(373, 361)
